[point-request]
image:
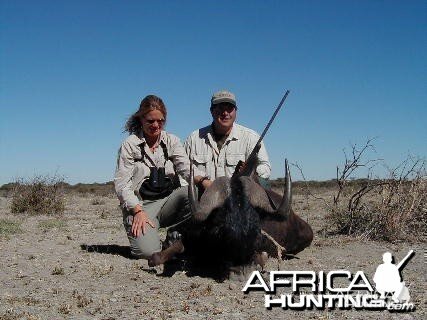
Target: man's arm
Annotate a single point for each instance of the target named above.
(263, 168)
(200, 178)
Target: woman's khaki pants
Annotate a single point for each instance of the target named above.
(163, 213)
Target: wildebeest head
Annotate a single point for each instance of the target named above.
(233, 211)
(244, 190)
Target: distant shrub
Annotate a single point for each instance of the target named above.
(6, 189)
(41, 194)
(82, 189)
(97, 189)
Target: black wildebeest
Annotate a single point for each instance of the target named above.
(228, 219)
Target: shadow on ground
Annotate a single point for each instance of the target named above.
(113, 249)
(192, 267)
(189, 264)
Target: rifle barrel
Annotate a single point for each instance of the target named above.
(252, 156)
(273, 116)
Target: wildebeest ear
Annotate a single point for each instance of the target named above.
(257, 195)
(267, 201)
(213, 198)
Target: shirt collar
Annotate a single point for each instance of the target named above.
(141, 138)
(235, 133)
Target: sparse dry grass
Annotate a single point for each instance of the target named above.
(97, 202)
(65, 308)
(81, 300)
(101, 268)
(9, 227)
(14, 315)
(49, 224)
(58, 271)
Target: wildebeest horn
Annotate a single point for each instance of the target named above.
(285, 206)
(212, 198)
(192, 197)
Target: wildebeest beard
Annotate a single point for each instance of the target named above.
(236, 226)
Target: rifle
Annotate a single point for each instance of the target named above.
(249, 166)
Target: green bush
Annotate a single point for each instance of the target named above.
(39, 195)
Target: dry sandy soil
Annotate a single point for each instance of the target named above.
(76, 266)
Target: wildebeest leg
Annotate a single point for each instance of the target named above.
(167, 254)
(261, 258)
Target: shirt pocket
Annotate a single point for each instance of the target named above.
(233, 159)
(201, 161)
(140, 172)
(170, 169)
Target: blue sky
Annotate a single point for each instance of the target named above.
(71, 72)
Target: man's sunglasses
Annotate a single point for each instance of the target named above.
(220, 108)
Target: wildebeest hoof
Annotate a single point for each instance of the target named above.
(155, 260)
(171, 237)
(240, 273)
(161, 257)
(261, 258)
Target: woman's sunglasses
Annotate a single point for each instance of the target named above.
(159, 121)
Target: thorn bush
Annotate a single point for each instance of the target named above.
(39, 195)
(387, 209)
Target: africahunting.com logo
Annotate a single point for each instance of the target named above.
(311, 290)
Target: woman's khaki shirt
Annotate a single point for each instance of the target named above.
(134, 162)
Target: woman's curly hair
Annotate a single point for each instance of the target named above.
(149, 103)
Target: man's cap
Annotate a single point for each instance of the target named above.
(223, 96)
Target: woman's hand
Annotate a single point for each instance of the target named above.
(140, 220)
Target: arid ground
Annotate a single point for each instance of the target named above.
(77, 266)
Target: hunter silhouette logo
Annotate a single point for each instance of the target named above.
(339, 289)
(387, 278)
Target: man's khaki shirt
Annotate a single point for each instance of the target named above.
(213, 163)
(134, 162)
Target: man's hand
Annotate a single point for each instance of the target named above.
(241, 165)
(206, 183)
(140, 220)
(202, 182)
